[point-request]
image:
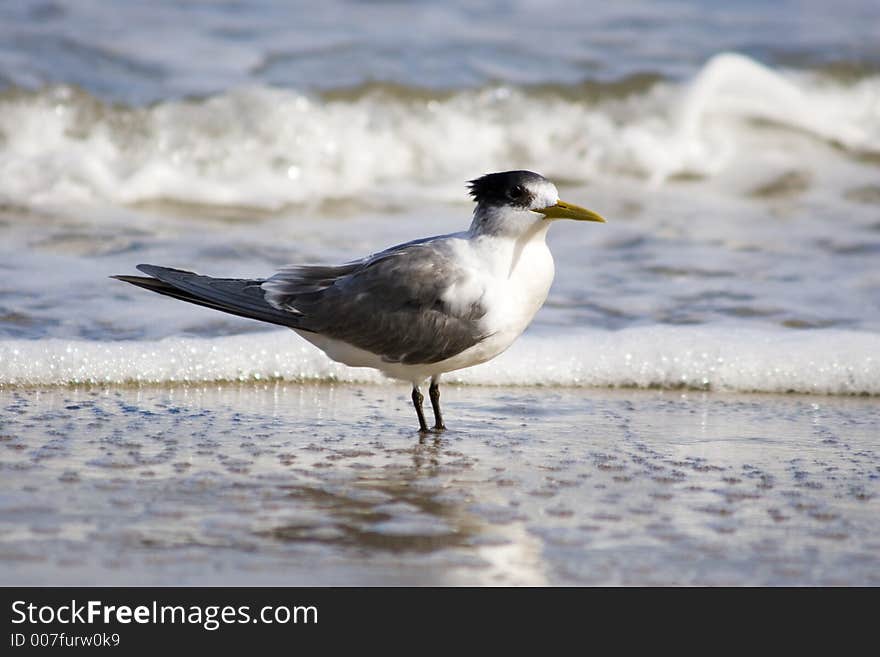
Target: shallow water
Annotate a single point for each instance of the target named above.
(293, 484)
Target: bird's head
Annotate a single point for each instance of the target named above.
(513, 202)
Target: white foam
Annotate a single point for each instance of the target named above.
(264, 147)
(712, 358)
(713, 120)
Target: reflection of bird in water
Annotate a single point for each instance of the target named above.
(416, 310)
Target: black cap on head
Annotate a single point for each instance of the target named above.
(504, 188)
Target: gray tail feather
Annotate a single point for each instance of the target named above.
(242, 297)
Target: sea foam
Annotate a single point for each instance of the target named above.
(703, 358)
(265, 147)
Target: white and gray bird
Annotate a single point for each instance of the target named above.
(417, 310)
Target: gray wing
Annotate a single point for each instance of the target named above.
(391, 304)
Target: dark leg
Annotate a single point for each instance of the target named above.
(434, 394)
(418, 398)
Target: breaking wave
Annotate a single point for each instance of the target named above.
(265, 148)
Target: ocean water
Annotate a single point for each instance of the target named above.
(734, 150)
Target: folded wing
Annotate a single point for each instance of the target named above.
(409, 304)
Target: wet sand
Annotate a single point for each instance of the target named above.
(286, 484)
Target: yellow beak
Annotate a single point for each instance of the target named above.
(563, 210)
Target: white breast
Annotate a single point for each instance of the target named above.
(522, 274)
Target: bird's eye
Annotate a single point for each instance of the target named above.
(516, 193)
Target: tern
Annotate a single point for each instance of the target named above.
(416, 310)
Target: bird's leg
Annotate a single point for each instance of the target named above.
(418, 398)
(434, 394)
